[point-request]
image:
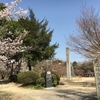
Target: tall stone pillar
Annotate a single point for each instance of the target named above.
(68, 67)
(97, 76)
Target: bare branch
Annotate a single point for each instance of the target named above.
(87, 41)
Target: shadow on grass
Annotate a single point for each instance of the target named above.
(32, 86)
(89, 84)
(76, 95)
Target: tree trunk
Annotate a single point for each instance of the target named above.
(29, 65)
(2, 76)
(11, 73)
(19, 65)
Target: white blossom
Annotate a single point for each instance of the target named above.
(6, 4)
(21, 12)
(9, 47)
(9, 11)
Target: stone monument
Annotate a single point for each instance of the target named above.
(97, 76)
(48, 79)
(68, 67)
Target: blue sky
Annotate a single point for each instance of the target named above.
(62, 15)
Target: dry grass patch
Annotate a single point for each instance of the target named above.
(5, 96)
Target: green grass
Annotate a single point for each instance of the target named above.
(37, 87)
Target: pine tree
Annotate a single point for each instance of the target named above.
(2, 6)
(38, 39)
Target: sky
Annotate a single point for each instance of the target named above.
(61, 15)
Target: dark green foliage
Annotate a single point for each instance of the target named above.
(40, 81)
(38, 38)
(54, 80)
(74, 64)
(13, 78)
(13, 27)
(56, 76)
(3, 22)
(28, 77)
(2, 6)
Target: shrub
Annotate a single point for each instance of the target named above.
(54, 80)
(28, 77)
(57, 77)
(40, 81)
(43, 75)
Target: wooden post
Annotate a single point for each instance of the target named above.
(97, 76)
(68, 67)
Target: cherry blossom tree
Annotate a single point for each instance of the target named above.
(9, 12)
(11, 35)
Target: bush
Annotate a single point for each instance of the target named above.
(57, 77)
(28, 77)
(40, 81)
(43, 75)
(54, 80)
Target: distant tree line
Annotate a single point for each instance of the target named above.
(85, 69)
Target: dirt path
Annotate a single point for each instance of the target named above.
(62, 92)
(65, 92)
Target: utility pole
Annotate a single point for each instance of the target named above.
(68, 67)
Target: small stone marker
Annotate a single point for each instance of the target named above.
(97, 76)
(48, 79)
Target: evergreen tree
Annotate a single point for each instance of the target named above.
(2, 6)
(38, 39)
(3, 21)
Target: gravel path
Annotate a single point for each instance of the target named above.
(65, 92)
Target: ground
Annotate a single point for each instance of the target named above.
(78, 89)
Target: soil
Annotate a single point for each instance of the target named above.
(78, 89)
